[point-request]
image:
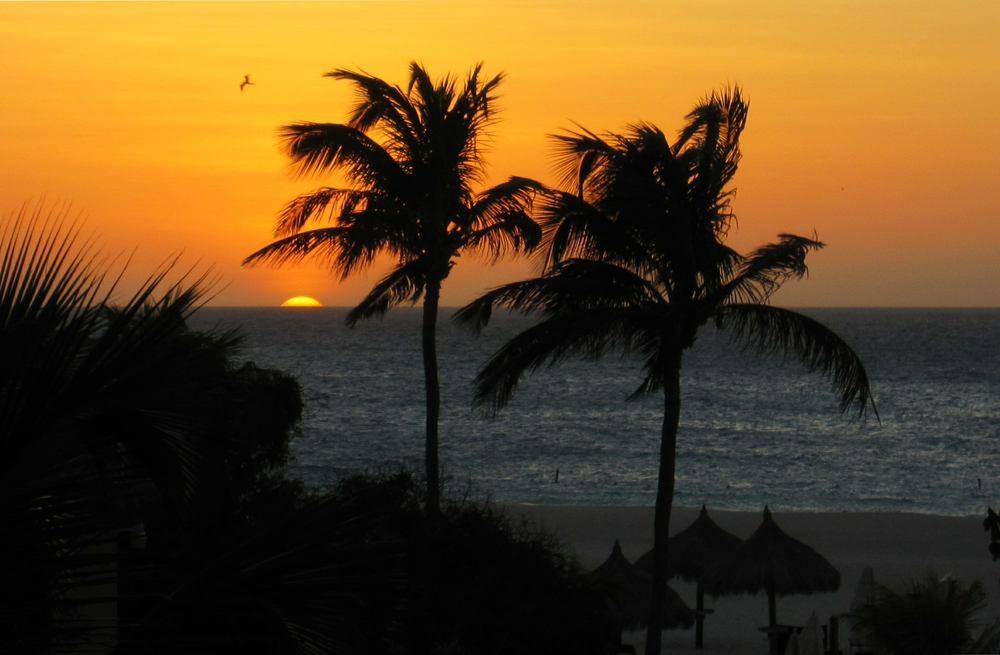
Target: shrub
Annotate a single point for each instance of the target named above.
(478, 581)
(929, 615)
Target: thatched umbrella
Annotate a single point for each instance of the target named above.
(629, 592)
(774, 562)
(689, 553)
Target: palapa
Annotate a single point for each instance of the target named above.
(692, 550)
(773, 562)
(689, 553)
(629, 593)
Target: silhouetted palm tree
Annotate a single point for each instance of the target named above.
(636, 263)
(411, 197)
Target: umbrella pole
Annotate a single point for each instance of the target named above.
(772, 619)
(699, 630)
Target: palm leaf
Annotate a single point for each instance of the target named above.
(326, 242)
(591, 333)
(762, 272)
(316, 148)
(776, 330)
(335, 203)
(405, 282)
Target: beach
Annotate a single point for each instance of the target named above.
(898, 546)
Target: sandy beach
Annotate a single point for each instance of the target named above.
(897, 546)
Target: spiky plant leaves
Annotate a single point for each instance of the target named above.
(102, 407)
(932, 614)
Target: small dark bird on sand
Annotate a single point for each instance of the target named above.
(246, 80)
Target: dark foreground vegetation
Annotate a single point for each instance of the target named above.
(927, 615)
(477, 581)
(144, 507)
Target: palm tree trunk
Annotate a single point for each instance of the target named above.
(664, 498)
(432, 389)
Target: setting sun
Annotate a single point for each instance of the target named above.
(301, 301)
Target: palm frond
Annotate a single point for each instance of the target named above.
(763, 271)
(499, 220)
(709, 145)
(576, 285)
(591, 333)
(326, 243)
(781, 331)
(577, 156)
(405, 282)
(335, 203)
(988, 640)
(316, 148)
(377, 102)
(573, 228)
(515, 231)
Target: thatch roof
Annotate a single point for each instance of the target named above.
(770, 561)
(692, 550)
(629, 593)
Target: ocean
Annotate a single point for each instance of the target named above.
(754, 430)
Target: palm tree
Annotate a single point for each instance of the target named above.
(410, 196)
(636, 262)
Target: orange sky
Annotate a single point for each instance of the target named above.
(874, 124)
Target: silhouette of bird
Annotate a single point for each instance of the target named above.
(246, 80)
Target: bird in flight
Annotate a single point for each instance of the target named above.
(246, 80)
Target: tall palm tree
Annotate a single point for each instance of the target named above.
(411, 158)
(636, 262)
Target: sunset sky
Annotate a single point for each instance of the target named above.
(874, 124)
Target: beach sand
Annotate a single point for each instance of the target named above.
(897, 546)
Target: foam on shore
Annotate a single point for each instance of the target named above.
(897, 546)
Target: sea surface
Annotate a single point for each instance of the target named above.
(754, 430)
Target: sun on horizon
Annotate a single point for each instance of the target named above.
(301, 301)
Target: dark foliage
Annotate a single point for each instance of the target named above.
(324, 579)
(928, 615)
(480, 582)
(259, 418)
(113, 413)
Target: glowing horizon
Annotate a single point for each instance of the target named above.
(873, 126)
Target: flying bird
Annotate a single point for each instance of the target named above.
(246, 80)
